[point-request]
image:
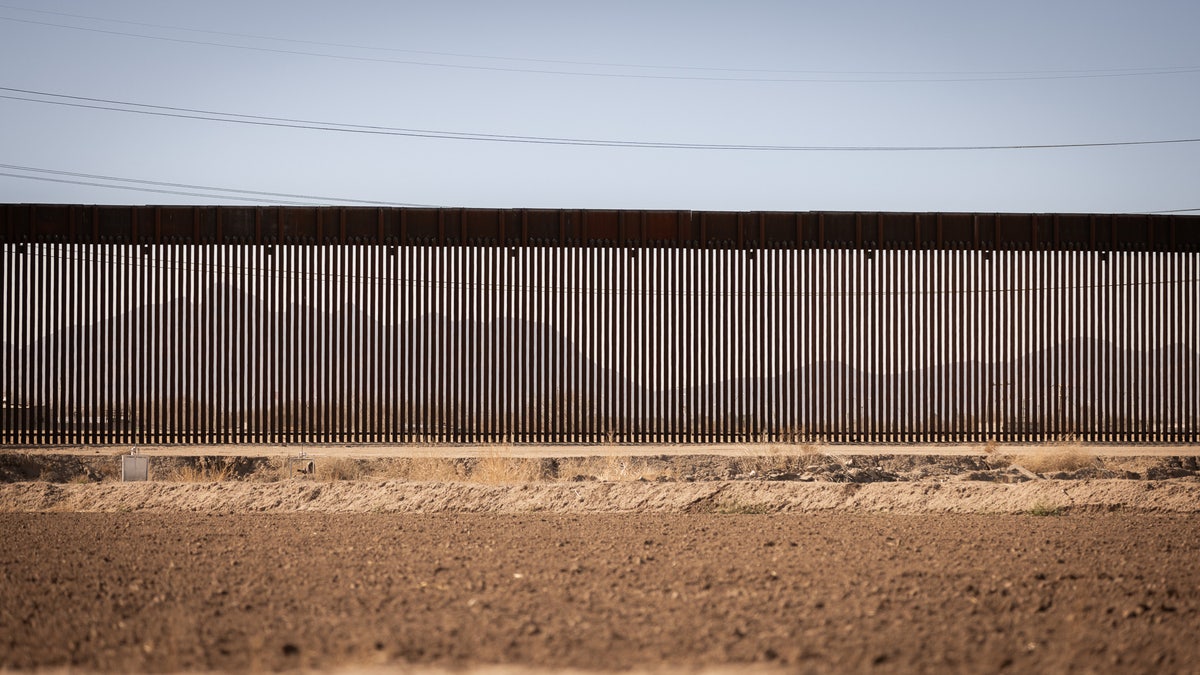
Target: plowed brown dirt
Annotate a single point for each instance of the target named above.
(809, 592)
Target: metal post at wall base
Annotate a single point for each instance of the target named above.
(301, 466)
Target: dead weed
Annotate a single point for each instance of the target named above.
(425, 470)
(505, 470)
(611, 469)
(780, 459)
(203, 470)
(1066, 457)
(339, 468)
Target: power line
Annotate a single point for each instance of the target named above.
(224, 193)
(218, 192)
(313, 125)
(960, 76)
(68, 181)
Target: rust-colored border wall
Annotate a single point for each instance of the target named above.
(208, 325)
(575, 227)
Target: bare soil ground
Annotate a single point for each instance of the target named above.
(1052, 559)
(804, 592)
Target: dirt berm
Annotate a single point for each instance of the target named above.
(370, 496)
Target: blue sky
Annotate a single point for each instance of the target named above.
(794, 74)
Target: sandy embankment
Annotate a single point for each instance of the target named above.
(372, 496)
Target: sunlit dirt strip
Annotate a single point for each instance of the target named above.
(542, 450)
(373, 496)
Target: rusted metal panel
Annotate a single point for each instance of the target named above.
(421, 226)
(481, 226)
(602, 227)
(174, 223)
(660, 226)
(721, 229)
(540, 227)
(361, 224)
(250, 224)
(841, 229)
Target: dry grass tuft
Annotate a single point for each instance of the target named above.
(1057, 458)
(611, 469)
(339, 468)
(623, 468)
(579, 468)
(415, 469)
(1043, 509)
(203, 470)
(272, 470)
(782, 459)
(505, 470)
(427, 469)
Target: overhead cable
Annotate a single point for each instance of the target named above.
(68, 181)
(184, 189)
(313, 125)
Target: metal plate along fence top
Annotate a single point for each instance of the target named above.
(184, 325)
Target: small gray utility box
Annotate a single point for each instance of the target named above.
(135, 466)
